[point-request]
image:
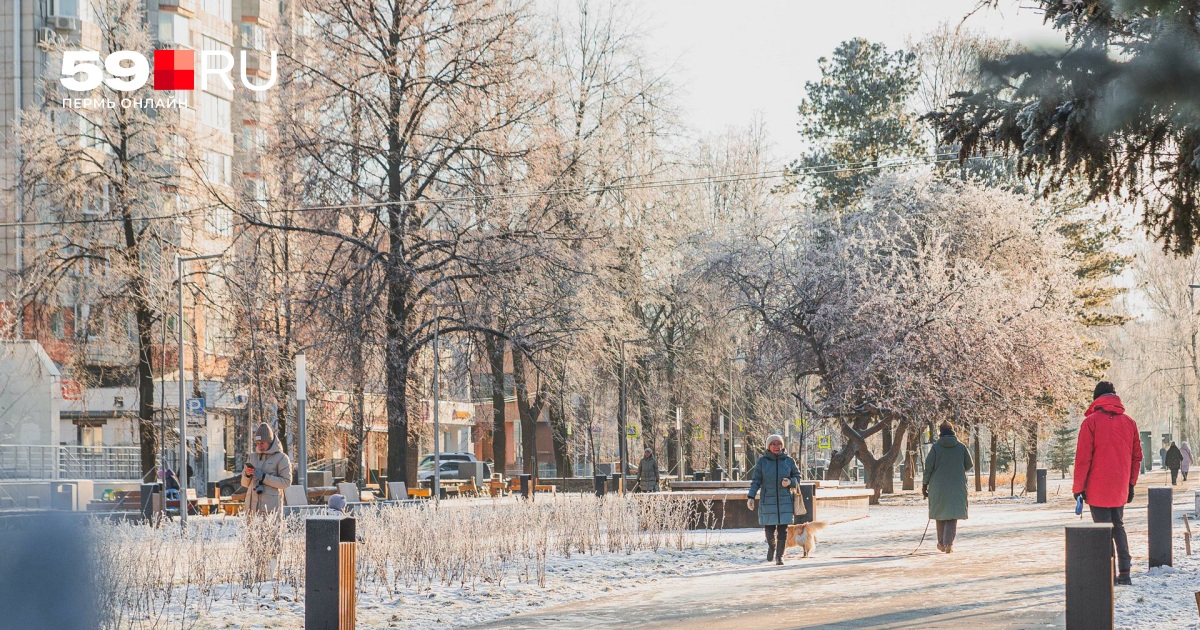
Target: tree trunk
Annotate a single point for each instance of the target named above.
(910, 460)
(978, 462)
(648, 425)
(1031, 458)
(358, 420)
(147, 437)
(562, 452)
(529, 414)
(495, 353)
(995, 447)
(886, 476)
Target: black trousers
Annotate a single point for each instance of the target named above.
(1174, 475)
(776, 539)
(1116, 516)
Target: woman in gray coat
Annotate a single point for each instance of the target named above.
(775, 474)
(945, 485)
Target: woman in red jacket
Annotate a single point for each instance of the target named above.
(1107, 460)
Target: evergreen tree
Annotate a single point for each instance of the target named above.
(856, 114)
(1062, 450)
(1116, 111)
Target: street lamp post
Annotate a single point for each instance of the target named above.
(301, 432)
(181, 465)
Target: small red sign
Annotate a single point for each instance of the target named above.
(72, 390)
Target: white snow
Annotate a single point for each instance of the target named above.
(1010, 547)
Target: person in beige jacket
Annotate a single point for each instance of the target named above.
(267, 474)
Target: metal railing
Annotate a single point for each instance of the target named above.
(18, 461)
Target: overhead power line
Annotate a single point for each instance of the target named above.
(585, 190)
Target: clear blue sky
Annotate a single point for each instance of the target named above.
(736, 59)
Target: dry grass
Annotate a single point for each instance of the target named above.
(150, 574)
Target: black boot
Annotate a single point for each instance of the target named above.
(770, 551)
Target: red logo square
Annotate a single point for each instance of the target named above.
(174, 69)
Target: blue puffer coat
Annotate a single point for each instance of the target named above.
(775, 504)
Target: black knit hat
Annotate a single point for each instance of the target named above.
(1102, 388)
(945, 430)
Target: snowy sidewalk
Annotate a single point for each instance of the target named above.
(1006, 572)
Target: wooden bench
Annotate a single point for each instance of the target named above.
(514, 486)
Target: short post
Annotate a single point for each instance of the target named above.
(1089, 576)
(1158, 526)
(527, 485)
(329, 559)
(147, 499)
(1041, 485)
(1196, 514)
(808, 492)
(599, 482)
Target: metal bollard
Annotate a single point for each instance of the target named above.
(147, 500)
(808, 491)
(1089, 576)
(1158, 526)
(1041, 485)
(527, 486)
(1197, 499)
(329, 562)
(600, 482)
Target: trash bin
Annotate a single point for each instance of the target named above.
(600, 481)
(720, 474)
(700, 475)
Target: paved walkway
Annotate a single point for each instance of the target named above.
(1006, 572)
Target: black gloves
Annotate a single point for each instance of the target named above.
(925, 490)
(1080, 496)
(1130, 499)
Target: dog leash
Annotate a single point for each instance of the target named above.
(911, 553)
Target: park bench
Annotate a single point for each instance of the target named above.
(514, 486)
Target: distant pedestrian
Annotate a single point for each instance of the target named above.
(1162, 456)
(945, 485)
(336, 504)
(1174, 460)
(1187, 459)
(775, 474)
(1108, 457)
(648, 472)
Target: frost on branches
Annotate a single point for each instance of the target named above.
(933, 300)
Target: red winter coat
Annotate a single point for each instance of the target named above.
(1109, 454)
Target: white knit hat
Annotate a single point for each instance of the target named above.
(775, 437)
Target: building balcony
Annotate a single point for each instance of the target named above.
(183, 7)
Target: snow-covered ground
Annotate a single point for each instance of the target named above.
(874, 572)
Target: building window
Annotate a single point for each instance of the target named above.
(91, 436)
(220, 222)
(220, 8)
(218, 168)
(253, 37)
(66, 8)
(58, 325)
(174, 28)
(214, 112)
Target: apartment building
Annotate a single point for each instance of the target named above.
(228, 127)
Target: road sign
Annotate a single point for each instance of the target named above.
(823, 442)
(697, 433)
(631, 431)
(799, 423)
(195, 406)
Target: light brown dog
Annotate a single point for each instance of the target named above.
(804, 536)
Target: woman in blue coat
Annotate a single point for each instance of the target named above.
(775, 474)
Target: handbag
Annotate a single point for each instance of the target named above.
(798, 508)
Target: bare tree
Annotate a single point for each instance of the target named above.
(108, 183)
